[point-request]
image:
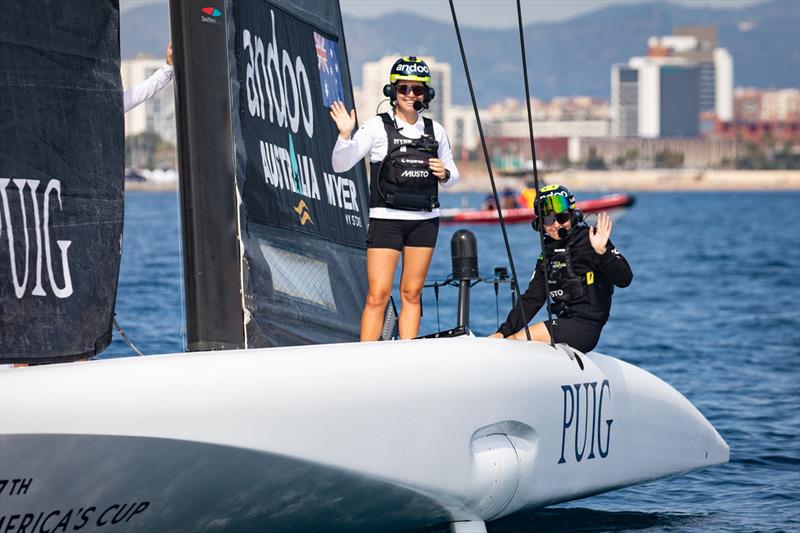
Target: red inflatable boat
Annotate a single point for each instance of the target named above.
(612, 202)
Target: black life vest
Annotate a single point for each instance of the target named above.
(403, 180)
(573, 287)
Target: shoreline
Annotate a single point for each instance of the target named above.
(656, 180)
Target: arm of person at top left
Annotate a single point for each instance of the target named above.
(444, 162)
(611, 263)
(348, 152)
(142, 92)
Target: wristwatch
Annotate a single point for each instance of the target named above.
(446, 176)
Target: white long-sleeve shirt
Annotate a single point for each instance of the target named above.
(371, 137)
(148, 88)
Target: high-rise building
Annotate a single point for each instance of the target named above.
(376, 74)
(655, 97)
(668, 97)
(684, 77)
(723, 65)
(624, 101)
(156, 114)
(698, 44)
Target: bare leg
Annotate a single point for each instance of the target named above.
(381, 264)
(416, 260)
(538, 333)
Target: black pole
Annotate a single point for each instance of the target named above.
(209, 210)
(464, 254)
(535, 176)
(463, 303)
(486, 157)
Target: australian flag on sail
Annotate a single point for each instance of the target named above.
(330, 79)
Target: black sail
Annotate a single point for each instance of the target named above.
(61, 178)
(274, 239)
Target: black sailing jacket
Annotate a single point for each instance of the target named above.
(607, 270)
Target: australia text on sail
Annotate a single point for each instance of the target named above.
(278, 91)
(41, 231)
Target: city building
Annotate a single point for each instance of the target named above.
(758, 131)
(560, 108)
(655, 96)
(462, 131)
(698, 44)
(698, 153)
(556, 121)
(782, 104)
(375, 74)
(624, 101)
(156, 114)
(684, 79)
(762, 115)
(518, 128)
(766, 104)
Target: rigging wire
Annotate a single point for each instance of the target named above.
(125, 338)
(436, 295)
(180, 269)
(535, 178)
(488, 161)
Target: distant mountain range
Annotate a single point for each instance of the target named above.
(571, 57)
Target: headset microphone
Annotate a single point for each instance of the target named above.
(418, 105)
(377, 109)
(563, 233)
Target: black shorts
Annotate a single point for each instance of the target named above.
(580, 334)
(395, 234)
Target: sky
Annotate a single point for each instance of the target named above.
(503, 13)
(476, 14)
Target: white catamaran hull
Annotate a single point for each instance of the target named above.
(366, 436)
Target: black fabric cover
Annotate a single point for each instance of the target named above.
(302, 227)
(61, 178)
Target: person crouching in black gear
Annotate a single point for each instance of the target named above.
(583, 268)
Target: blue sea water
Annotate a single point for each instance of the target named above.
(714, 309)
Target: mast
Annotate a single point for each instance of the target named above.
(209, 218)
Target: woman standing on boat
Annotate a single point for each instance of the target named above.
(409, 157)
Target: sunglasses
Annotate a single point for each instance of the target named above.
(562, 218)
(417, 90)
